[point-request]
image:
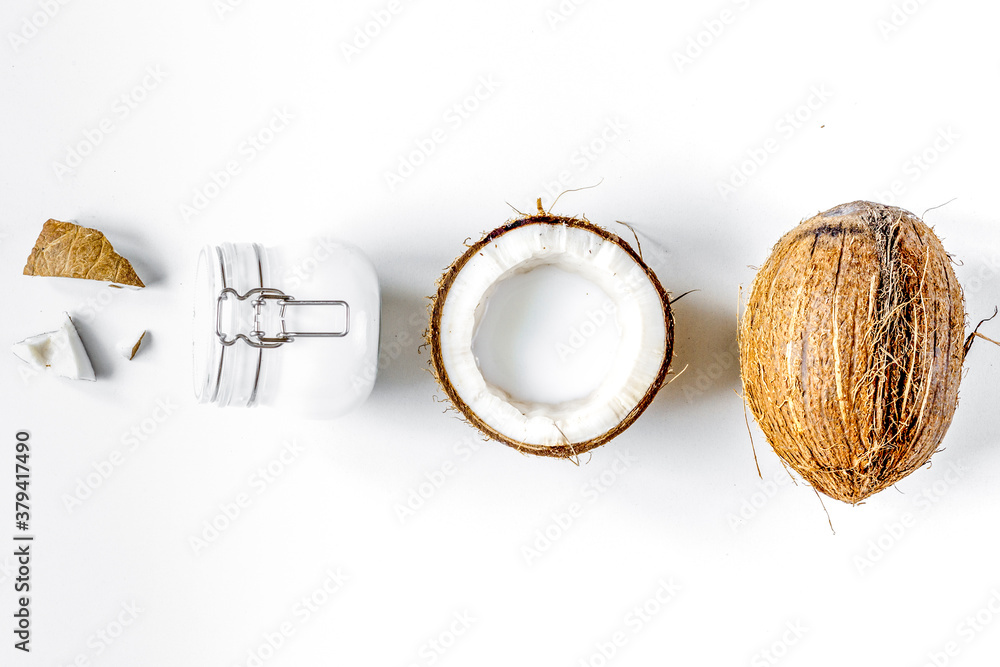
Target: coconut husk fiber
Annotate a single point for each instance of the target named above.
(67, 250)
(851, 348)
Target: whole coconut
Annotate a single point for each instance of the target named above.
(851, 348)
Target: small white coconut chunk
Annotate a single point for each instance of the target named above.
(60, 352)
(636, 362)
(128, 347)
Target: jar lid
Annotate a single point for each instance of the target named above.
(226, 374)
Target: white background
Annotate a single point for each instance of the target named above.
(876, 86)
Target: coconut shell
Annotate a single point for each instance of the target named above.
(851, 348)
(569, 450)
(67, 250)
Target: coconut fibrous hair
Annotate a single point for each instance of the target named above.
(851, 348)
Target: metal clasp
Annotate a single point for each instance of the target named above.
(257, 337)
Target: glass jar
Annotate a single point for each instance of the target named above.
(294, 326)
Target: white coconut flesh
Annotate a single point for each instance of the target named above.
(637, 359)
(60, 352)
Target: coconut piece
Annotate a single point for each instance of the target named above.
(641, 360)
(60, 352)
(130, 346)
(67, 250)
(851, 348)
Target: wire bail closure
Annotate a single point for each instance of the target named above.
(257, 337)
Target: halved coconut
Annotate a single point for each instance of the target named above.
(637, 370)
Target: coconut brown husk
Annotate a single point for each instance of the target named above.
(67, 250)
(567, 450)
(851, 348)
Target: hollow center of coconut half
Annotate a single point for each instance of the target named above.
(551, 335)
(546, 335)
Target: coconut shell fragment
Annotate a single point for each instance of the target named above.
(129, 347)
(67, 250)
(851, 348)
